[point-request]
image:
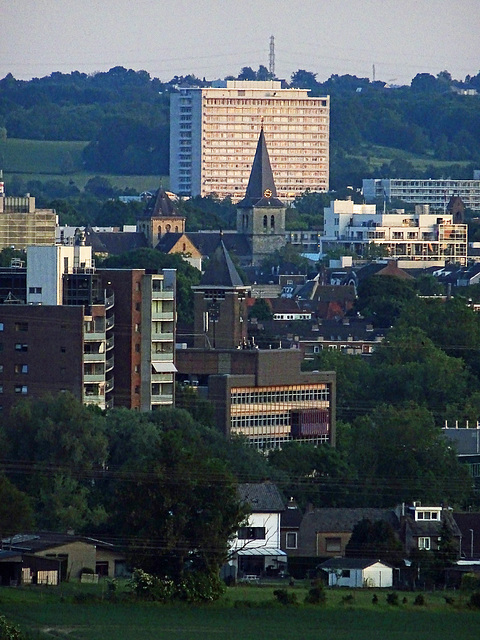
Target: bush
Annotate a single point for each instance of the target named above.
(9, 631)
(374, 599)
(316, 595)
(348, 599)
(284, 597)
(474, 602)
(392, 598)
(470, 582)
(88, 570)
(419, 600)
(200, 587)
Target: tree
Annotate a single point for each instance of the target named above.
(302, 79)
(260, 310)
(176, 503)
(16, 514)
(383, 298)
(316, 475)
(400, 455)
(375, 540)
(61, 445)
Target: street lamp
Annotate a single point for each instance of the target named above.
(471, 543)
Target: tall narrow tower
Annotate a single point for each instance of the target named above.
(271, 66)
(261, 215)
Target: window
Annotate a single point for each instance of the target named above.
(137, 348)
(19, 346)
(34, 289)
(1, 368)
(251, 533)
(21, 388)
(63, 349)
(333, 544)
(345, 573)
(291, 540)
(424, 543)
(1, 326)
(21, 368)
(21, 326)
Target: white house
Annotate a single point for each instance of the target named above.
(255, 551)
(357, 572)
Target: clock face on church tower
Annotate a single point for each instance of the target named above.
(267, 193)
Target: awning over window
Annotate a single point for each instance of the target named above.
(164, 367)
(261, 551)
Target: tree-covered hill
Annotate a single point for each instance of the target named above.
(124, 114)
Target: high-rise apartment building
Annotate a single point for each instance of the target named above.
(105, 335)
(214, 133)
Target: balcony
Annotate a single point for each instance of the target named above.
(109, 302)
(163, 315)
(162, 337)
(94, 336)
(162, 356)
(110, 343)
(94, 357)
(109, 385)
(109, 364)
(93, 377)
(110, 321)
(162, 295)
(162, 399)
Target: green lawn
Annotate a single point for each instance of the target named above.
(46, 160)
(377, 155)
(246, 613)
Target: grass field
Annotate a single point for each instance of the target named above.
(245, 612)
(45, 160)
(376, 156)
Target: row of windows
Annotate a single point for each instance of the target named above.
(277, 419)
(18, 388)
(320, 392)
(263, 442)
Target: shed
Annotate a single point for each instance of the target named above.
(357, 572)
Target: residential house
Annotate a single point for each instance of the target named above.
(50, 558)
(325, 532)
(256, 550)
(421, 527)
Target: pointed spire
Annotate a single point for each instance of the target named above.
(221, 271)
(261, 189)
(160, 205)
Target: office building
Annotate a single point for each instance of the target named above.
(436, 193)
(214, 132)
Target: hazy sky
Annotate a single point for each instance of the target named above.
(215, 38)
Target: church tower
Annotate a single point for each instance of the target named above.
(220, 307)
(261, 215)
(159, 217)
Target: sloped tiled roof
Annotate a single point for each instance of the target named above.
(160, 205)
(221, 271)
(114, 243)
(261, 180)
(330, 519)
(207, 242)
(261, 497)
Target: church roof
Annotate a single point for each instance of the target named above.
(261, 189)
(221, 271)
(160, 205)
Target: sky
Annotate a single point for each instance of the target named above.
(216, 38)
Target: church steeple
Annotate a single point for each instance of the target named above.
(261, 189)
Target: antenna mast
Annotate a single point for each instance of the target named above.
(271, 66)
